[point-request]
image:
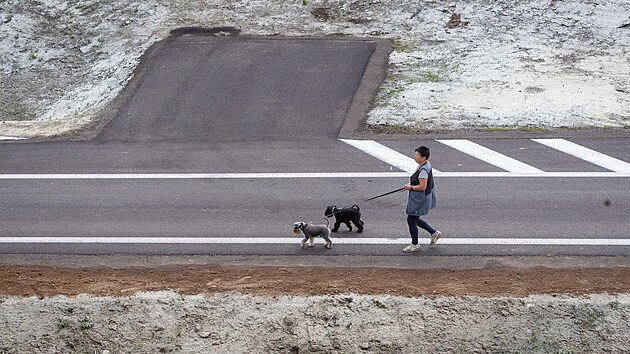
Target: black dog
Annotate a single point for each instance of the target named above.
(345, 215)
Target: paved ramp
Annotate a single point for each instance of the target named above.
(204, 88)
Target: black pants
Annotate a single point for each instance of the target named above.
(414, 222)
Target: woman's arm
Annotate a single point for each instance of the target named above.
(422, 186)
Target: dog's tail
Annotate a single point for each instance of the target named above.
(327, 222)
(356, 207)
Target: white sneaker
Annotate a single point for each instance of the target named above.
(435, 237)
(412, 248)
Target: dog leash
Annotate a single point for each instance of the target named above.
(384, 194)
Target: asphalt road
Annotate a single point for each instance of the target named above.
(238, 106)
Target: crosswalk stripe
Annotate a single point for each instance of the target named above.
(586, 154)
(385, 154)
(513, 167)
(295, 240)
(490, 156)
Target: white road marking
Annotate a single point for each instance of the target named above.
(96, 176)
(490, 156)
(515, 168)
(385, 154)
(3, 137)
(203, 175)
(586, 154)
(295, 240)
(530, 175)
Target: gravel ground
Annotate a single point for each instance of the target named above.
(166, 322)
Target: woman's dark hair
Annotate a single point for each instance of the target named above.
(423, 151)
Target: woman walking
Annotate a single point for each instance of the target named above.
(421, 199)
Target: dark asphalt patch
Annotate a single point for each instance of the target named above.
(205, 88)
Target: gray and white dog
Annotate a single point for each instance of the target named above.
(311, 231)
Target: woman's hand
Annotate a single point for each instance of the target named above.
(407, 186)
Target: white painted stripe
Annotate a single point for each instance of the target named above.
(385, 154)
(294, 240)
(586, 154)
(490, 156)
(203, 175)
(2, 137)
(531, 175)
(61, 176)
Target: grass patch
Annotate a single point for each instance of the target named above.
(425, 76)
(586, 315)
(395, 129)
(393, 92)
(86, 324)
(62, 323)
(429, 76)
(523, 128)
(538, 344)
(404, 46)
(86, 7)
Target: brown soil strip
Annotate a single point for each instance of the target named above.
(274, 281)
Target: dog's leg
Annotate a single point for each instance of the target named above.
(311, 241)
(359, 224)
(303, 241)
(348, 225)
(326, 236)
(336, 226)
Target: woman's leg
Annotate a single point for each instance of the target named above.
(412, 221)
(425, 226)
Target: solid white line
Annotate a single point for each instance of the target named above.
(202, 175)
(530, 175)
(490, 156)
(385, 154)
(293, 240)
(586, 154)
(62, 176)
(3, 137)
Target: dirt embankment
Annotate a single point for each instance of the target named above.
(191, 309)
